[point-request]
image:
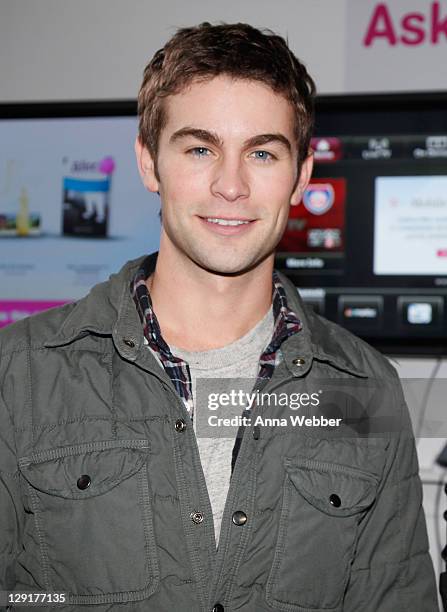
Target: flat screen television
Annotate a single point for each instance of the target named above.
(367, 245)
(72, 206)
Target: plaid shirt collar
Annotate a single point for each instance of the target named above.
(286, 323)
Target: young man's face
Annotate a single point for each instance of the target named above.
(227, 173)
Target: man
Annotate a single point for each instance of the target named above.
(108, 498)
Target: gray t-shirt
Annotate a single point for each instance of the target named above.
(238, 360)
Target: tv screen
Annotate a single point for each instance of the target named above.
(72, 206)
(367, 245)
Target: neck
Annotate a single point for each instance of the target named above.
(198, 310)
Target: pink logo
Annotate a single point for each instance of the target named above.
(107, 165)
(413, 28)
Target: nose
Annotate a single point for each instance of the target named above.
(229, 181)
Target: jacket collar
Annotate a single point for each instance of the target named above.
(319, 340)
(109, 310)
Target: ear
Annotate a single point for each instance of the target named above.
(303, 180)
(146, 167)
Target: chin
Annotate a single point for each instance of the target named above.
(228, 267)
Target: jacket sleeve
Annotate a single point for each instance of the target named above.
(11, 519)
(393, 571)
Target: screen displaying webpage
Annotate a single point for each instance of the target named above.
(410, 225)
(72, 209)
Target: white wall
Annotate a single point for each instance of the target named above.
(93, 49)
(57, 49)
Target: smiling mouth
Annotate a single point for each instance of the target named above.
(227, 227)
(228, 222)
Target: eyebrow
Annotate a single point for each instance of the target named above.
(203, 135)
(263, 139)
(213, 139)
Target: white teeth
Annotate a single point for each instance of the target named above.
(227, 221)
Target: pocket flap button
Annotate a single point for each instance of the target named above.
(83, 482)
(334, 500)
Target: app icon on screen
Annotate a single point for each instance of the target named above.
(420, 313)
(317, 224)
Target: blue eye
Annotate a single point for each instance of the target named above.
(199, 152)
(263, 155)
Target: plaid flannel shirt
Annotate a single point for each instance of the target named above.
(286, 323)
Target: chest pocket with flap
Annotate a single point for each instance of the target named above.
(322, 506)
(93, 528)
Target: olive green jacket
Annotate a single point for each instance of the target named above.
(103, 499)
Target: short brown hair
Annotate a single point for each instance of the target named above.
(239, 50)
